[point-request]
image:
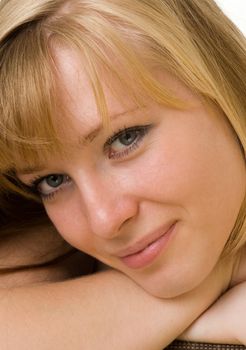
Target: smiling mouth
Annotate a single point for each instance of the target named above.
(143, 254)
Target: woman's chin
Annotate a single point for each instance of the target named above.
(165, 291)
(168, 288)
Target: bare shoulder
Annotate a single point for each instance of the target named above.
(236, 311)
(224, 322)
(239, 274)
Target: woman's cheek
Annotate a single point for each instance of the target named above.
(68, 220)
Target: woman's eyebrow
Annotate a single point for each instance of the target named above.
(29, 170)
(93, 133)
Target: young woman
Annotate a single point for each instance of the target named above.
(126, 119)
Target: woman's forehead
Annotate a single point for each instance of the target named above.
(75, 90)
(77, 96)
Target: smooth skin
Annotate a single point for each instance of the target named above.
(188, 161)
(100, 204)
(105, 310)
(101, 311)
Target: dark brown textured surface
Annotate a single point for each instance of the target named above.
(179, 345)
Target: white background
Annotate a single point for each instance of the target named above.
(236, 10)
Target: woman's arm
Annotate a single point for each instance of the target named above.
(101, 311)
(224, 322)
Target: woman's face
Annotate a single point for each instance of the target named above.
(155, 196)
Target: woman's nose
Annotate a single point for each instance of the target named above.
(107, 205)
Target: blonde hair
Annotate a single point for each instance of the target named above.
(191, 39)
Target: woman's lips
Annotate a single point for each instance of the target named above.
(146, 255)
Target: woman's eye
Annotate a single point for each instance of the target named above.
(128, 137)
(125, 141)
(49, 185)
(54, 180)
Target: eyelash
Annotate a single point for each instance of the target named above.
(140, 130)
(34, 184)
